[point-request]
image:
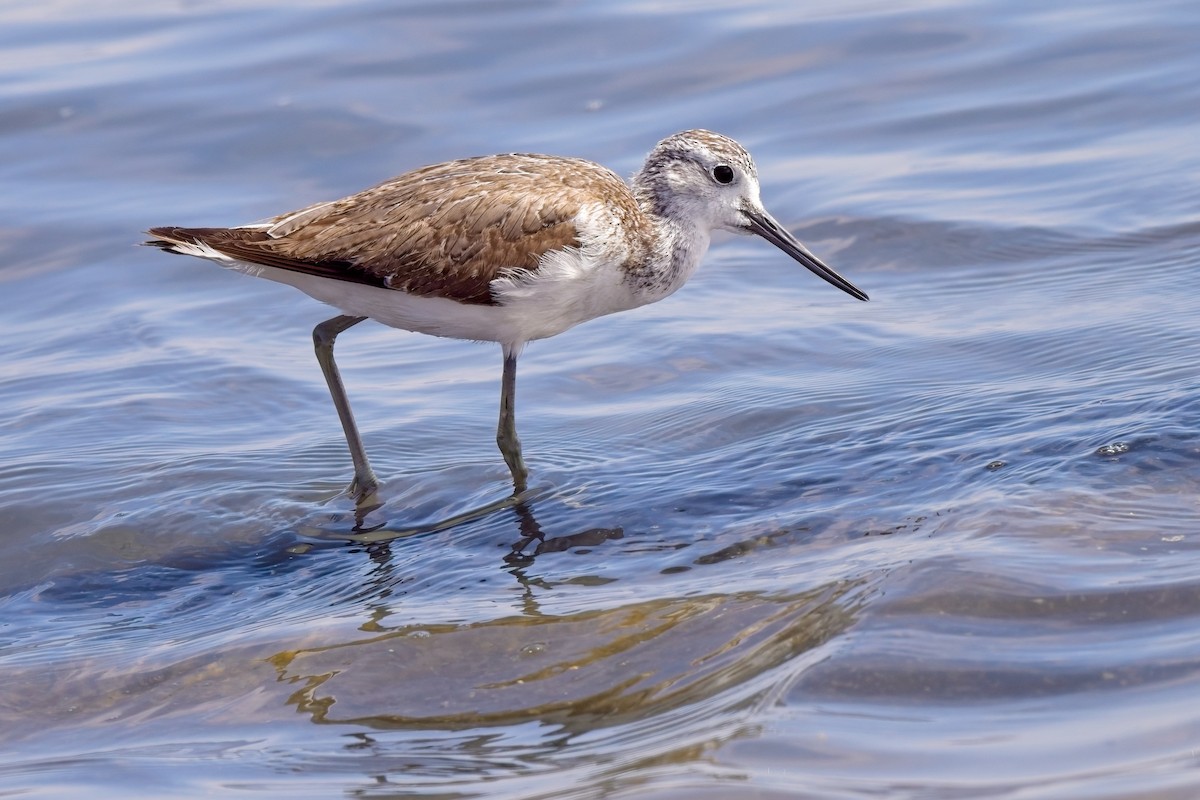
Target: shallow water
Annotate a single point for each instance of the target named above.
(781, 544)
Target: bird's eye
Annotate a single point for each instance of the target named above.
(723, 173)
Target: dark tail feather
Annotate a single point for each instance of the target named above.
(255, 246)
(167, 237)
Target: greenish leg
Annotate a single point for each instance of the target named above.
(365, 484)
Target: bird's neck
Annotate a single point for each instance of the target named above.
(678, 244)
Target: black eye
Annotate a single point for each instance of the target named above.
(723, 173)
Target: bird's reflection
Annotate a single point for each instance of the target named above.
(533, 539)
(531, 533)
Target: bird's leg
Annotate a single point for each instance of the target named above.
(365, 483)
(506, 431)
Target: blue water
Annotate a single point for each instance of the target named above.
(781, 544)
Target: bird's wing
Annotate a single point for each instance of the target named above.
(446, 230)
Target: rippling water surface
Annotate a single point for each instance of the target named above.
(781, 544)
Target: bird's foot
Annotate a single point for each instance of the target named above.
(520, 475)
(364, 490)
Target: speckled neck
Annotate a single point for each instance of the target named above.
(677, 242)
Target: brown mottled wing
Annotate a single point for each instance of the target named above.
(446, 230)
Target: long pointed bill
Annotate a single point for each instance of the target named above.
(762, 223)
